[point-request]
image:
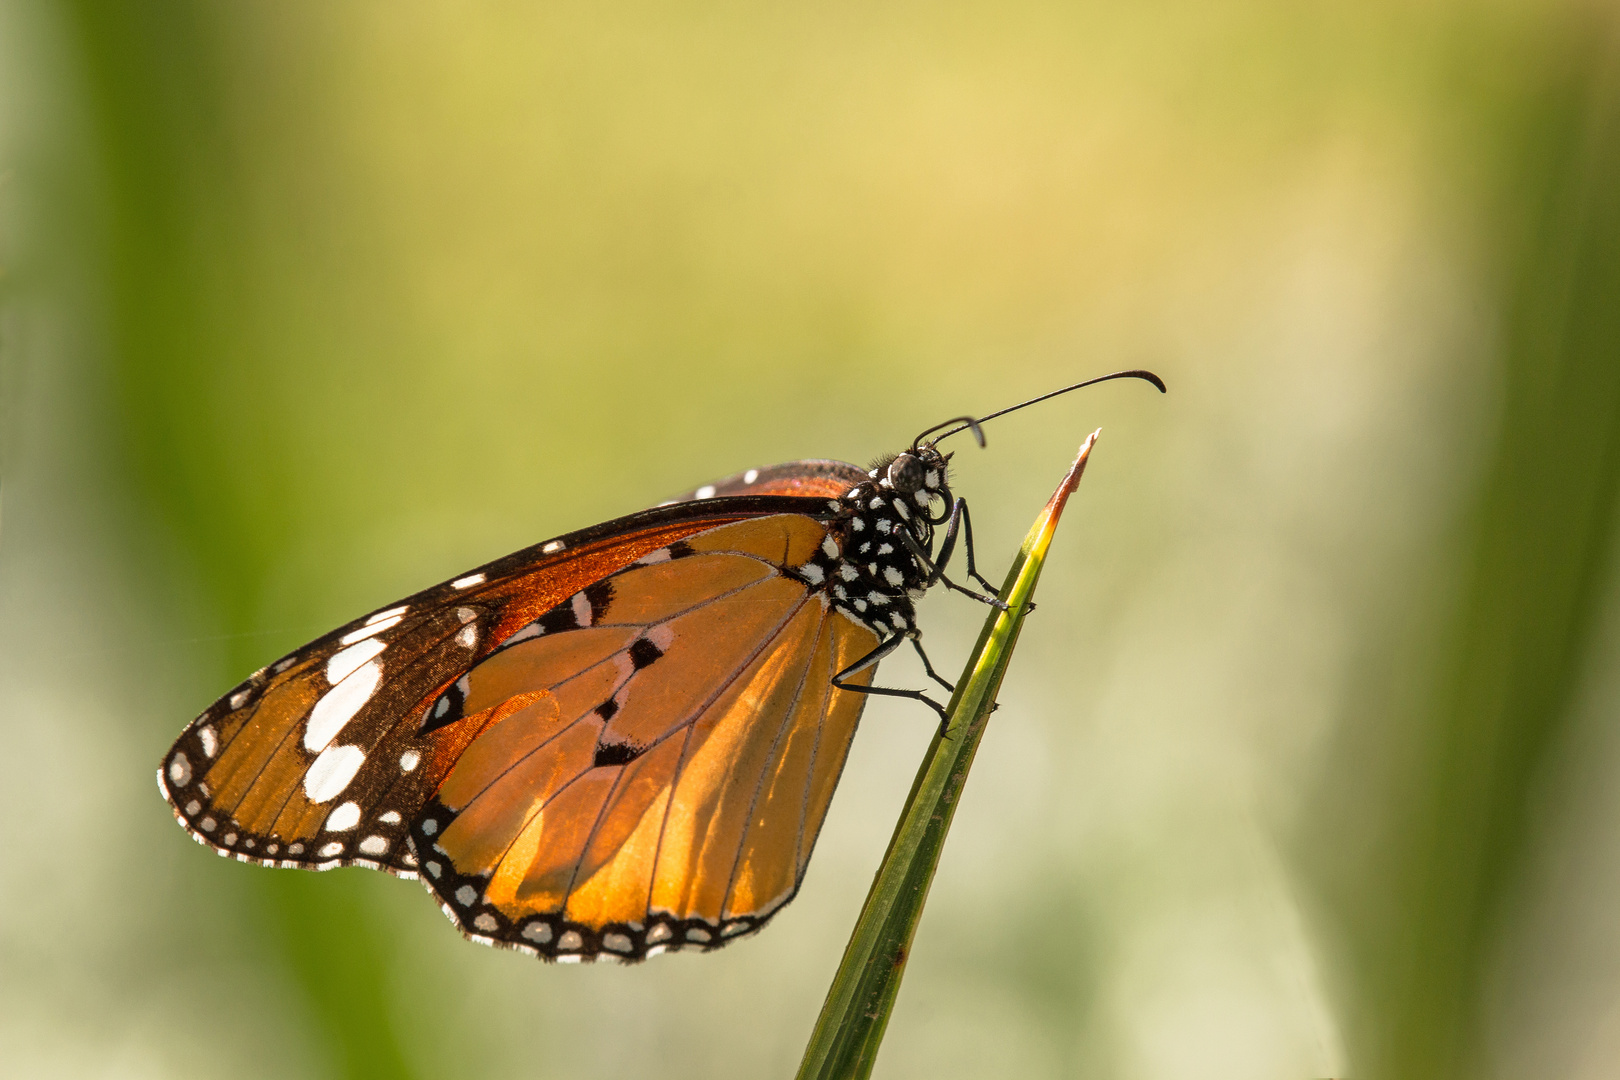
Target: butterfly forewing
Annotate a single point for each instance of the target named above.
(812, 478)
(323, 758)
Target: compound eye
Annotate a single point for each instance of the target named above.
(906, 474)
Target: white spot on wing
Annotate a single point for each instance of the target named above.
(467, 582)
(704, 492)
(180, 770)
(829, 547)
(344, 817)
(408, 760)
(750, 476)
(238, 698)
(552, 547)
(343, 664)
(658, 933)
(616, 942)
(570, 940)
(538, 931)
(334, 848)
(812, 573)
(369, 630)
(332, 772)
(582, 609)
(468, 637)
(391, 613)
(374, 845)
(466, 895)
(486, 922)
(390, 818)
(892, 576)
(210, 741)
(339, 705)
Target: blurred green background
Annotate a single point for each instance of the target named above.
(1306, 766)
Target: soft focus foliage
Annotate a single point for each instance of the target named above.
(1307, 765)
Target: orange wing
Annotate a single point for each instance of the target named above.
(653, 775)
(323, 758)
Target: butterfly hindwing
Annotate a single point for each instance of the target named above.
(652, 776)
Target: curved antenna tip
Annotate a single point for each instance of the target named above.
(1141, 373)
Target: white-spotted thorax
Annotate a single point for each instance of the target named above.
(869, 573)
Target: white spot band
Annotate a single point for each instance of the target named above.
(340, 704)
(332, 772)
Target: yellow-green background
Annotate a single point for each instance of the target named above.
(1306, 766)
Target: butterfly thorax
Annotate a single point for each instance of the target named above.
(867, 570)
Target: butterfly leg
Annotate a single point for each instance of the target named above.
(884, 648)
(967, 543)
(916, 643)
(935, 568)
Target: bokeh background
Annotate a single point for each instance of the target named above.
(1307, 764)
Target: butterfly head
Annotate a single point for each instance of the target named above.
(918, 476)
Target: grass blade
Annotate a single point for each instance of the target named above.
(856, 1014)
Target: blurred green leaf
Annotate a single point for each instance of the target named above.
(1442, 887)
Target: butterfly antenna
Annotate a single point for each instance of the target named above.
(968, 423)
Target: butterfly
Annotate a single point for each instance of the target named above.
(618, 742)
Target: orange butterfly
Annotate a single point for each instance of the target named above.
(619, 742)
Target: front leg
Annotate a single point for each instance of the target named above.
(935, 568)
(967, 539)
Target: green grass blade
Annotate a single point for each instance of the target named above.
(853, 1019)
